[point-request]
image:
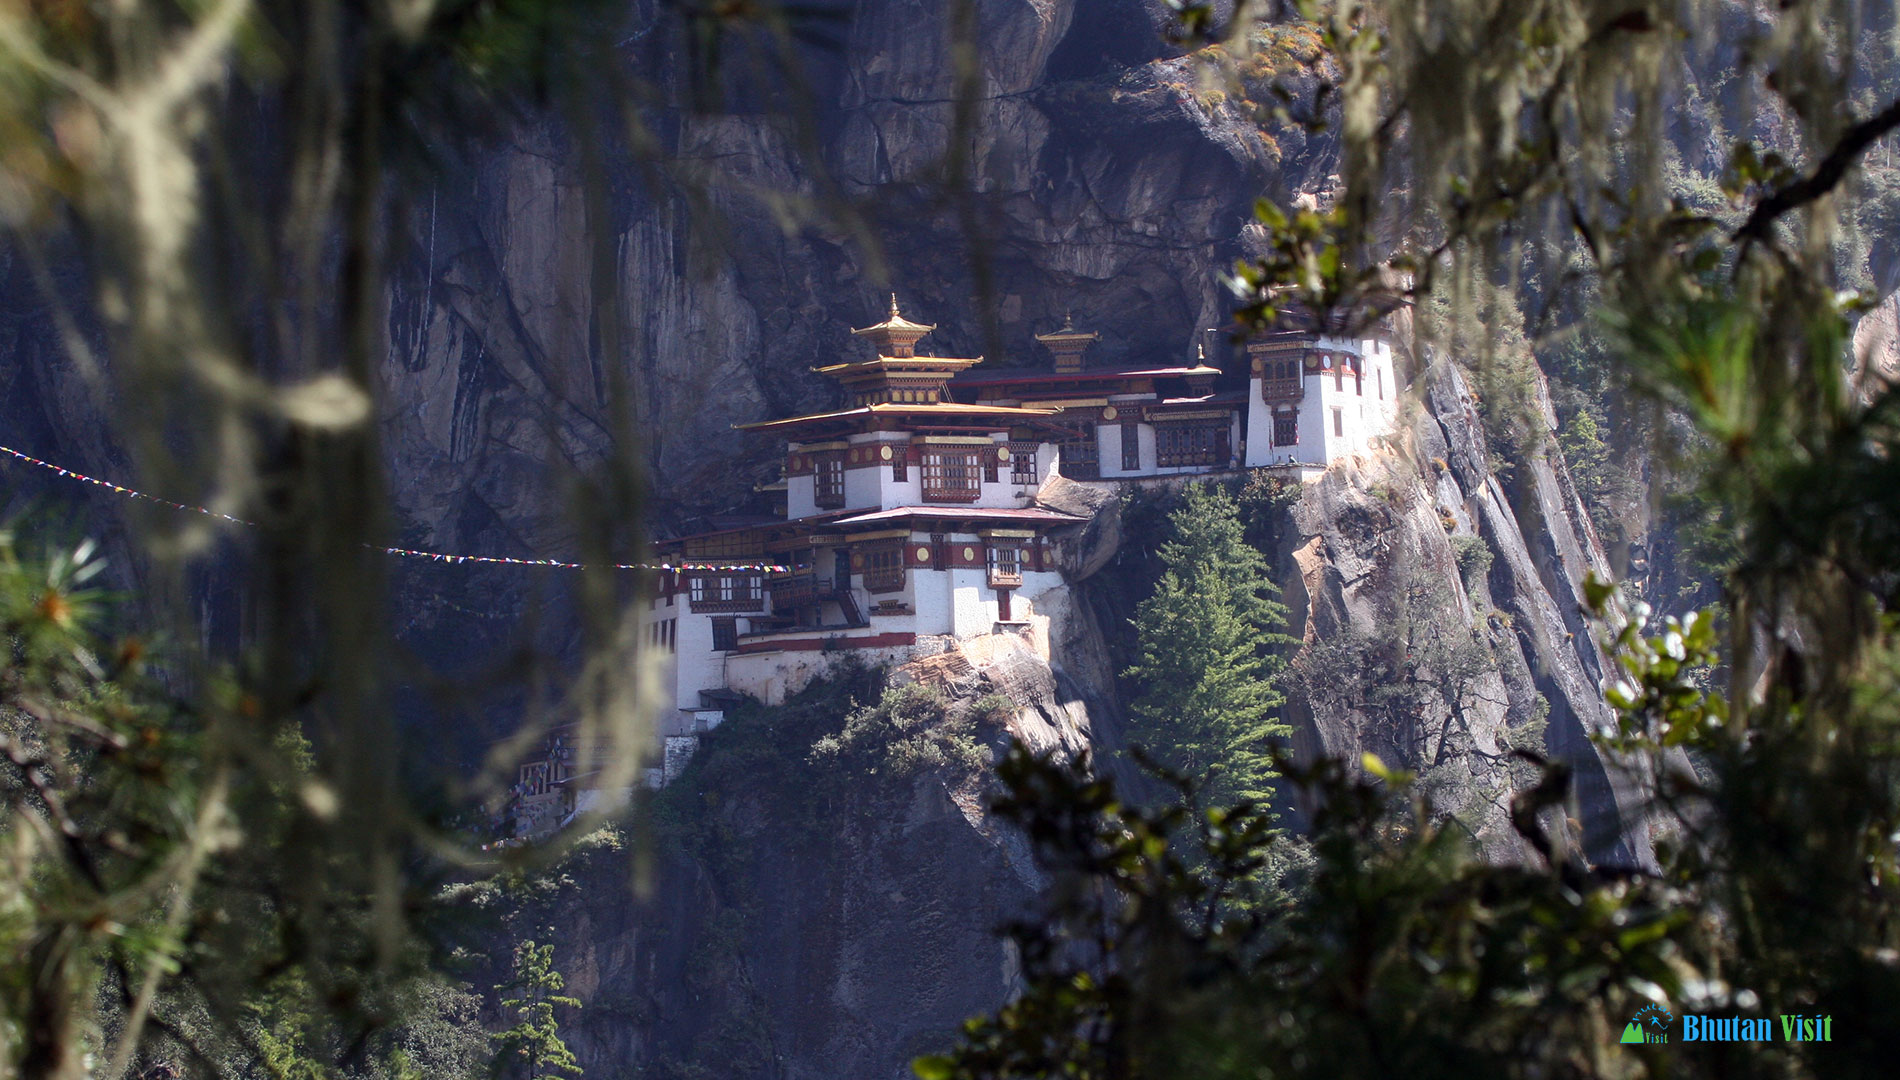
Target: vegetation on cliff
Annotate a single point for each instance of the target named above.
(1207, 666)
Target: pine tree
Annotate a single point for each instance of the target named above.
(533, 1046)
(1207, 707)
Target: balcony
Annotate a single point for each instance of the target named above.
(1277, 388)
(1002, 578)
(791, 590)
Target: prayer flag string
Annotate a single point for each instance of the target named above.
(407, 553)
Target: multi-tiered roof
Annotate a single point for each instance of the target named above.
(898, 390)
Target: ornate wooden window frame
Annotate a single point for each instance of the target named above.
(736, 590)
(827, 480)
(884, 567)
(1081, 457)
(1286, 427)
(1004, 561)
(952, 474)
(1189, 442)
(1022, 463)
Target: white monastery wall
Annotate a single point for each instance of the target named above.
(773, 676)
(1364, 408)
(691, 666)
(799, 497)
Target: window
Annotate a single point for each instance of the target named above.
(664, 634)
(1005, 565)
(1022, 463)
(1339, 375)
(990, 466)
(1339, 422)
(1080, 457)
(900, 460)
(1190, 444)
(1282, 380)
(1131, 446)
(827, 480)
(1358, 382)
(884, 568)
(951, 475)
(1286, 427)
(725, 634)
(728, 592)
(1379, 374)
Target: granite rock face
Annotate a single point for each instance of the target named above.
(1087, 179)
(1462, 601)
(830, 935)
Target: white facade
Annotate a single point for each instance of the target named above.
(1111, 435)
(1349, 399)
(872, 466)
(957, 601)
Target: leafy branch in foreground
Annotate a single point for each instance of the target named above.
(147, 912)
(1399, 952)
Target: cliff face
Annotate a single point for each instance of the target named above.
(1442, 614)
(1096, 183)
(810, 918)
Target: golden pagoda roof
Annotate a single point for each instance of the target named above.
(899, 363)
(1068, 333)
(943, 410)
(896, 322)
(896, 334)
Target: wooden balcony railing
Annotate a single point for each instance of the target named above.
(790, 590)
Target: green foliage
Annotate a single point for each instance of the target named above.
(532, 1048)
(1265, 502)
(1474, 557)
(146, 877)
(1399, 955)
(1403, 955)
(1206, 669)
(909, 729)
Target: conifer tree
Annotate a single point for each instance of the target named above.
(533, 1048)
(1207, 706)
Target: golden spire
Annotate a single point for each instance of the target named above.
(896, 336)
(1068, 344)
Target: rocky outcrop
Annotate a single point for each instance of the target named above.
(804, 923)
(1442, 615)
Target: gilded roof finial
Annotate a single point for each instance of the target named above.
(896, 336)
(1068, 318)
(1200, 352)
